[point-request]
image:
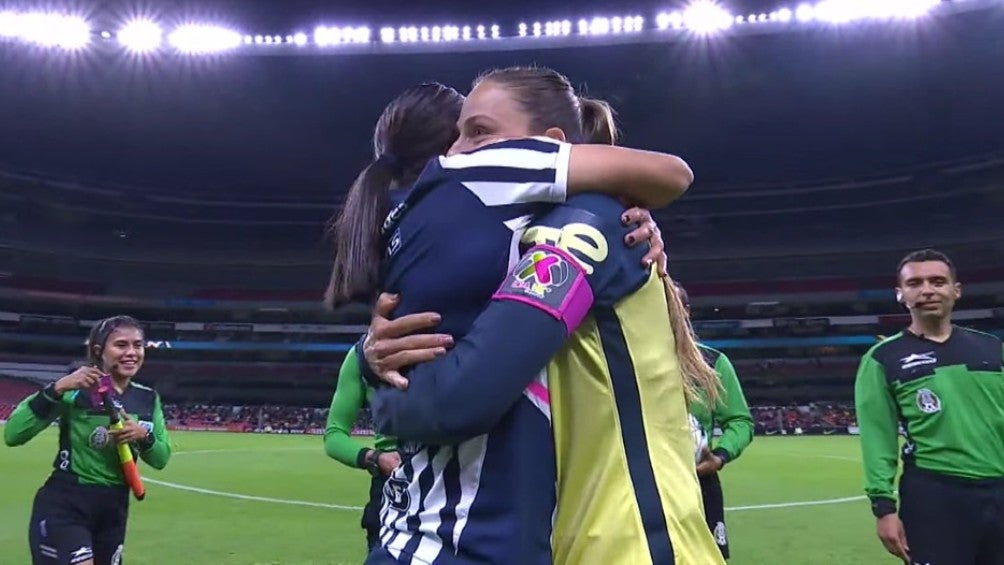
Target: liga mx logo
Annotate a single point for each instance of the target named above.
(540, 272)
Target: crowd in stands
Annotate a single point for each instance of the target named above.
(808, 419)
(815, 418)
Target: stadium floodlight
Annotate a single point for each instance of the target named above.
(583, 27)
(496, 32)
(536, 29)
(566, 27)
(705, 17)
(664, 21)
(783, 15)
(46, 29)
(204, 38)
(805, 13)
(387, 35)
(522, 29)
(599, 26)
(140, 36)
(466, 32)
(481, 32)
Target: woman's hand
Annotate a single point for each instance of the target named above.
(390, 346)
(647, 231)
(82, 378)
(131, 431)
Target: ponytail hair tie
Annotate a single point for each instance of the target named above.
(391, 163)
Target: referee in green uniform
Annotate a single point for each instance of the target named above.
(732, 415)
(945, 385)
(79, 515)
(351, 394)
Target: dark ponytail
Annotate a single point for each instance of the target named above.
(598, 125)
(358, 242)
(418, 125)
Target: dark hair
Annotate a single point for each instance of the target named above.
(421, 123)
(550, 100)
(922, 255)
(100, 332)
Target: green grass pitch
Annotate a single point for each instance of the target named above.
(292, 515)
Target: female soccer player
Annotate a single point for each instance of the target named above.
(79, 514)
(350, 395)
(477, 481)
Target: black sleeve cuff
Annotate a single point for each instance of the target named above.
(371, 378)
(45, 402)
(147, 443)
(722, 454)
(883, 507)
(361, 458)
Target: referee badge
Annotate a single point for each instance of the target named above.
(98, 438)
(928, 402)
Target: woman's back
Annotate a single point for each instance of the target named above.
(451, 242)
(618, 408)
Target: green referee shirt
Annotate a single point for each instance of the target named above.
(731, 413)
(86, 450)
(351, 393)
(948, 396)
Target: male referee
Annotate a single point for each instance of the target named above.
(945, 384)
(732, 415)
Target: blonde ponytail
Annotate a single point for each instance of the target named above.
(701, 383)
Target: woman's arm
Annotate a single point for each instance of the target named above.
(348, 399)
(156, 451)
(644, 178)
(31, 416)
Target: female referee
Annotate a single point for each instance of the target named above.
(350, 396)
(477, 483)
(79, 514)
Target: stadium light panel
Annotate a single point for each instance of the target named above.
(46, 29)
(496, 32)
(805, 13)
(705, 17)
(300, 38)
(201, 38)
(141, 36)
(784, 15)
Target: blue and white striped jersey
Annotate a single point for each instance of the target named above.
(451, 242)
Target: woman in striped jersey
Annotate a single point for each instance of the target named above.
(478, 473)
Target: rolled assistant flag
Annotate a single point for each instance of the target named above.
(106, 392)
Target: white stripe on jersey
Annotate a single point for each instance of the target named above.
(517, 157)
(499, 193)
(430, 520)
(398, 520)
(471, 455)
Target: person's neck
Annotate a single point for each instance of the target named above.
(938, 329)
(120, 383)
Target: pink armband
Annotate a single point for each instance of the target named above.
(550, 279)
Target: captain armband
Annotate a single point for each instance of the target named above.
(551, 280)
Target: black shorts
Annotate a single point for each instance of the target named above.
(714, 510)
(952, 521)
(371, 512)
(71, 523)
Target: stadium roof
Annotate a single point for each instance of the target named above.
(808, 103)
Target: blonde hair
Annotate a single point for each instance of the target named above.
(701, 383)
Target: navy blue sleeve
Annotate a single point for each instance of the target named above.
(465, 393)
(576, 258)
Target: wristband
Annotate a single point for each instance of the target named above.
(883, 507)
(373, 462)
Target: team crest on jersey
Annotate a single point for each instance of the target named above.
(396, 493)
(928, 402)
(148, 426)
(540, 272)
(99, 438)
